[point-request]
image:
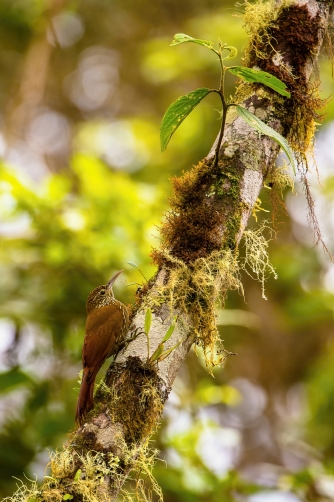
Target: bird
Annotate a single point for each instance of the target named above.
(106, 325)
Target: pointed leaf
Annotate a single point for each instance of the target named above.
(168, 351)
(77, 475)
(169, 333)
(157, 353)
(132, 263)
(177, 112)
(263, 128)
(181, 38)
(262, 77)
(148, 320)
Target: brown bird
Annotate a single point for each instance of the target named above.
(107, 320)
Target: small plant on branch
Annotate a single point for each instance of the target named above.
(184, 105)
(160, 353)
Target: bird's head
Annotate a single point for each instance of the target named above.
(102, 295)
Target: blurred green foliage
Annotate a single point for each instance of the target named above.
(83, 187)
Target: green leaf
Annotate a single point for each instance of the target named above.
(233, 52)
(77, 475)
(132, 263)
(67, 496)
(177, 112)
(181, 38)
(262, 77)
(157, 353)
(168, 351)
(148, 320)
(263, 128)
(169, 333)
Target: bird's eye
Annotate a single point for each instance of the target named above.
(102, 292)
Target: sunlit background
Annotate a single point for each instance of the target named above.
(83, 187)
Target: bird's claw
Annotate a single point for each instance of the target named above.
(134, 334)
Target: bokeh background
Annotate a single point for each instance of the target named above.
(83, 186)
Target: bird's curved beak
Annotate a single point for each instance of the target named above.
(113, 279)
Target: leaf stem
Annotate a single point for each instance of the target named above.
(222, 128)
(148, 346)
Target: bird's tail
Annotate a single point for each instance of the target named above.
(85, 399)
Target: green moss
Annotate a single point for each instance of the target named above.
(274, 33)
(199, 247)
(87, 483)
(284, 41)
(196, 289)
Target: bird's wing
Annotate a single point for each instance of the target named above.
(103, 328)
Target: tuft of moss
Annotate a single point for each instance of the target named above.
(279, 179)
(136, 401)
(283, 39)
(201, 203)
(256, 262)
(196, 290)
(86, 478)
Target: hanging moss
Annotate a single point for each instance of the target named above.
(284, 40)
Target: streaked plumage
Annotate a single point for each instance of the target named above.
(107, 320)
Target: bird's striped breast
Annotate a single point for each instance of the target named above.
(124, 311)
